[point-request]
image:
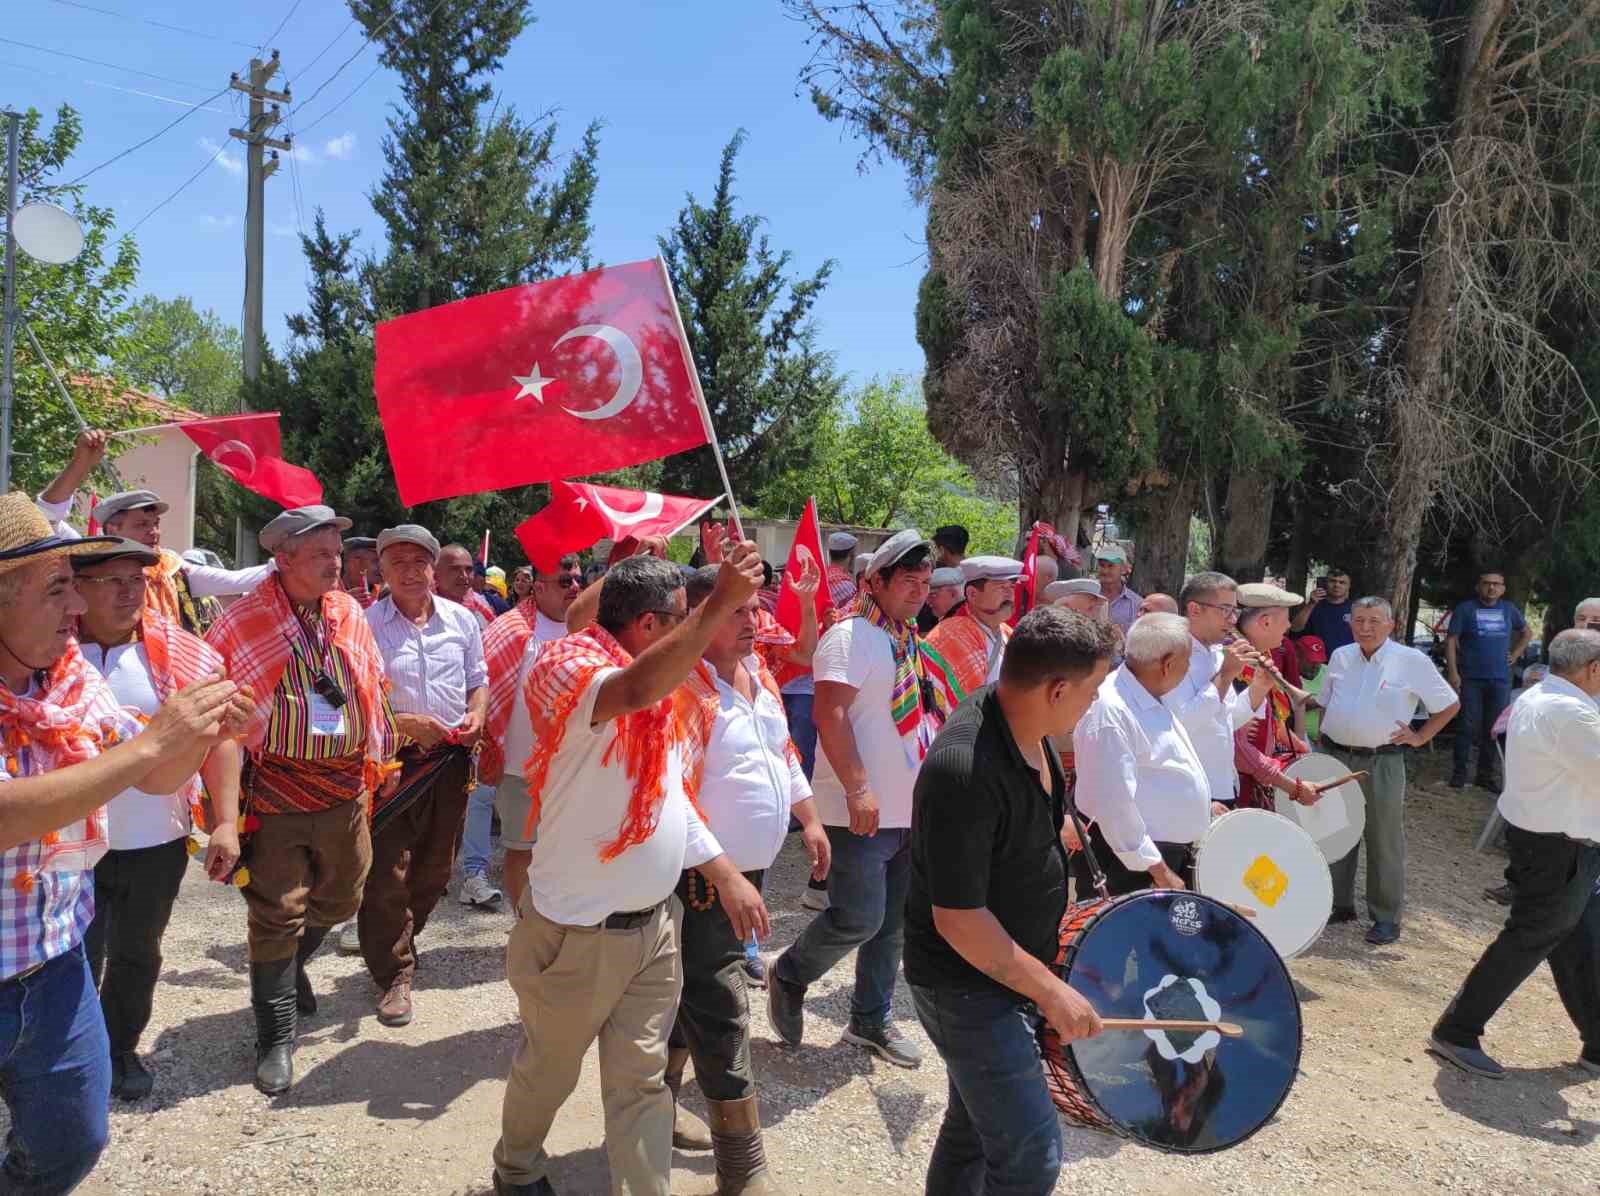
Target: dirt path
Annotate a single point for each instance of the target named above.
(417, 1109)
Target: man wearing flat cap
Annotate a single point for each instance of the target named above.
(176, 586)
(944, 595)
(359, 573)
(1081, 594)
(1270, 741)
(68, 748)
(841, 583)
(438, 689)
(321, 743)
(1111, 571)
(964, 650)
(876, 711)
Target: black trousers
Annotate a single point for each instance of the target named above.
(1552, 890)
(1120, 880)
(134, 892)
(714, 1013)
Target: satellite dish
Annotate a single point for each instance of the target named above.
(47, 233)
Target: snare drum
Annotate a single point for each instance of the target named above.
(1262, 860)
(1339, 816)
(1173, 954)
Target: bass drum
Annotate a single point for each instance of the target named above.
(1339, 816)
(1259, 859)
(1174, 955)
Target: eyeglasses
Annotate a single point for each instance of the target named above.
(567, 581)
(126, 585)
(1231, 612)
(677, 616)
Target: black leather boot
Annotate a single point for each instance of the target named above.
(272, 997)
(310, 939)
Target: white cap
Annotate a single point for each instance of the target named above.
(841, 542)
(895, 547)
(990, 568)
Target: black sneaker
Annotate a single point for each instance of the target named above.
(1499, 893)
(137, 1083)
(786, 1008)
(1383, 933)
(755, 970)
(1342, 914)
(887, 1043)
(541, 1187)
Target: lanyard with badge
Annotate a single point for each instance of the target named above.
(327, 700)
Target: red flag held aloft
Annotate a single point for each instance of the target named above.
(551, 380)
(808, 540)
(578, 514)
(249, 449)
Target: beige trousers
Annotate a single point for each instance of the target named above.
(575, 984)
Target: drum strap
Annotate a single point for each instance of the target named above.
(1066, 805)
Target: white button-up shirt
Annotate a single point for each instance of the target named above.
(750, 779)
(1553, 762)
(1139, 777)
(1365, 701)
(1210, 718)
(519, 731)
(431, 668)
(135, 818)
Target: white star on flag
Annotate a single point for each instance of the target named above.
(532, 384)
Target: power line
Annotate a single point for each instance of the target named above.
(365, 42)
(125, 16)
(322, 52)
(132, 91)
(350, 96)
(180, 189)
(271, 37)
(165, 129)
(97, 62)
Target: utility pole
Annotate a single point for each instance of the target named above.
(8, 316)
(257, 170)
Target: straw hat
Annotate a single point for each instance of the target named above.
(26, 535)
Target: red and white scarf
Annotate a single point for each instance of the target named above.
(503, 646)
(178, 660)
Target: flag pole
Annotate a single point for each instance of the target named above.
(144, 431)
(699, 395)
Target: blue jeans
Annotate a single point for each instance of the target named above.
(802, 730)
(1000, 1135)
(1481, 704)
(479, 827)
(867, 909)
(55, 1076)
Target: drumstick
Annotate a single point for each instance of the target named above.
(1324, 786)
(1226, 1029)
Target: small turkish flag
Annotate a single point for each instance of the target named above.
(249, 449)
(578, 514)
(807, 540)
(551, 380)
(1027, 592)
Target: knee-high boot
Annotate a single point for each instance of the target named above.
(688, 1131)
(741, 1158)
(310, 939)
(272, 997)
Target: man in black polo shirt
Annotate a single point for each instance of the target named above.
(988, 888)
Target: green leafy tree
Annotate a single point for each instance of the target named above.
(77, 311)
(764, 378)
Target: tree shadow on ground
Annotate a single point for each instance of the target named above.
(1528, 1102)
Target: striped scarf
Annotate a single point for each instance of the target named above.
(254, 637)
(178, 660)
(917, 707)
(503, 646)
(641, 742)
(956, 656)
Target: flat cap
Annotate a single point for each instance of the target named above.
(113, 505)
(360, 544)
(895, 547)
(841, 542)
(1111, 552)
(297, 521)
(990, 568)
(1058, 590)
(120, 550)
(409, 533)
(863, 559)
(1264, 593)
(947, 576)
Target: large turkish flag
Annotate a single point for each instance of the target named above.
(249, 449)
(578, 514)
(551, 380)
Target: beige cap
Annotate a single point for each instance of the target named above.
(1262, 593)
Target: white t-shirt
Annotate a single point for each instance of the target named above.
(855, 653)
(519, 731)
(135, 818)
(581, 810)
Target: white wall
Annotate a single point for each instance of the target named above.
(165, 464)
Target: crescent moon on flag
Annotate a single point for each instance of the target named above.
(235, 453)
(627, 357)
(650, 510)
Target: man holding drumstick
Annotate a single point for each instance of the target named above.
(988, 888)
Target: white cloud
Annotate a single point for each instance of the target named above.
(229, 161)
(301, 153)
(218, 222)
(341, 147)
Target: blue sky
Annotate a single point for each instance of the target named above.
(670, 82)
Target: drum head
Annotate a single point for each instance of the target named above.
(1173, 954)
(1338, 819)
(1256, 858)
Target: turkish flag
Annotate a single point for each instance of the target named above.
(551, 380)
(578, 514)
(807, 539)
(1028, 584)
(249, 450)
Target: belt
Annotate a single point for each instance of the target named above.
(25, 973)
(631, 919)
(1387, 749)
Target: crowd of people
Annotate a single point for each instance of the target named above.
(347, 722)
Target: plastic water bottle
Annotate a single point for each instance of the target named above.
(752, 950)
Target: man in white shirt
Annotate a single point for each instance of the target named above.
(749, 780)
(1204, 698)
(175, 584)
(874, 718)
(145, 658)
(1140, 781)
(616, 832)
(1551, 804)
(1369, 700)
(433, 658)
